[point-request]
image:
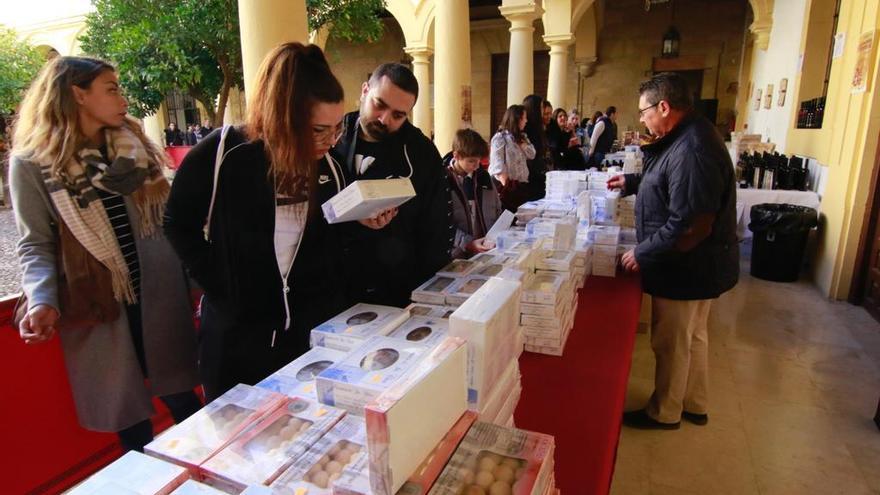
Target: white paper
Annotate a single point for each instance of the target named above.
(839, 45)
(503, 223)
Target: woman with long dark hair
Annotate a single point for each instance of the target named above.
(509, 154)
(563, 143)
(88, 194)
(534, 105)
(267, 261)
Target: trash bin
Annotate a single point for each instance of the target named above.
(779, 240)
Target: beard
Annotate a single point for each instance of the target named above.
(376, 130)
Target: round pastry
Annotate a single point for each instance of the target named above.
(511, 463)
(343, 456)
(485, 479)
(321, 479)
(273, 442)
(499, 488)
(333, 467)
(504, 473)
(495, 457)
(313, 471)
(334, 477)
(324, 460)
(334, 450)
(520, 472)
(487, 464)
(466, 476)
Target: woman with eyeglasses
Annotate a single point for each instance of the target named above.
(253, 235)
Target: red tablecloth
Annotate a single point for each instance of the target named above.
(579, 397)
(177, 154)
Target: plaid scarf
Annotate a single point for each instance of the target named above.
(130, 173)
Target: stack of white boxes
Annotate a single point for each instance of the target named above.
(549, 301)
(605, 239)
(563, 185)
(626, 211)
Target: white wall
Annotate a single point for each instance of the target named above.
(769, 67)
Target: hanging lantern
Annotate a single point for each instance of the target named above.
(671, 41)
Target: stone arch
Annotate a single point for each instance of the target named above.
(416, 19)
(762, 13)
(47, 51)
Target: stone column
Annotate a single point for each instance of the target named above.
(452, 66)
(154, 130)
(521, 67)
(264, 24)
(421, 117)
(558, 76)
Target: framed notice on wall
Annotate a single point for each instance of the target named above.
(758, 95)
(862, 72)
(768, 97)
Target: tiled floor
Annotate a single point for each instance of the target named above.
(795, 381)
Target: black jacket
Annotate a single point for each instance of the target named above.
(173, 138)
(384, 266)
(606, 140)
(243, 338)
(487, 205)
(686, 173)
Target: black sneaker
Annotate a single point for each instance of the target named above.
(641, 421)
(697, 419)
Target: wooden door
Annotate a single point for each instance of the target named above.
(499, 82)
(865, 289)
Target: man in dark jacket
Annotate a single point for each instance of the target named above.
(173, 135)
(687, 253)
(386, 258)
(602, 137)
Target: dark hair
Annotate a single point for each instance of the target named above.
(534, 105)
(290, 81)
(596, 115)
(610, 110)
(510, 122)
(557, 112)
(669, 87)
(469, 143)
(399, 75)
(546, 104)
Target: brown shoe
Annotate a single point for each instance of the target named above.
(641, 421)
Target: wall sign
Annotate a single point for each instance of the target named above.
(864, 56)
(783, 88)
(768, 97)
(839, 45)
(758, 95)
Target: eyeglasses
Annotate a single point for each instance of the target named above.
(327, 134)
(643, 110)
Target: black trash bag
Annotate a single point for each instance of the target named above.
(782, 218)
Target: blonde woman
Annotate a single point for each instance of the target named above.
(88, 194)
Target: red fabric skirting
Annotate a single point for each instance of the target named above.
(579, 397)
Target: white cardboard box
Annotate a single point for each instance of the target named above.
(365, 198)
(545, 288)
(193, 487)
(214, 426)
(464, 288)
(353, 326)
(134, 473)
(434, 290)
(430, 310)
(422, 330)
(556, 260)
(407, 421)
(297, 378)
(366, 372)
(608, 235)
(488, 321)
(457, 268)
(268, 447)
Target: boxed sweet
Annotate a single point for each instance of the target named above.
(558, 260)
(426, 474)
(422, 330)
(488, 321)
(604, 206)
(542, 309)
(498, 460)
(604, 260)
(214, 426)
(512, 274)
(407, 421)
(297, 378)
(528, 211)
(562, 231)
(457, 268)
(350, 328)
(134, 473)
(505, 415)
(508, 238)
(463, 289)
(365, 198)
(315, 471)
(583, 252)
(488, 270)
(366, 372)
(482, 258)
(430, 310)
(433, 291)
(544, 288)
(193, 487)
(269, 446)
(622, 248)
(608, 235)
(552, 350)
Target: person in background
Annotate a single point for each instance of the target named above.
(173, 135)
(475, 203)
(591, 123)
(508, 159)
(602, 139)
(546, 113)
(207, 128)
(269, 265)
(563, 143)
(536, 111)
(190, 136)
(88, 193)
(198, 133)
(688, 253)
(387, 257)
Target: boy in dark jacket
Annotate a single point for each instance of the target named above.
(475, 203)
(385, 258)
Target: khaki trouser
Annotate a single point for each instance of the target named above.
(680, 340)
